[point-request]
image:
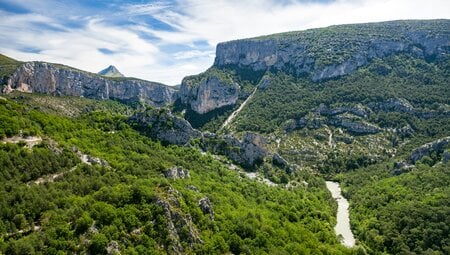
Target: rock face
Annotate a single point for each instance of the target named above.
(177, 173)
(279, 161)
(437, 146)
(248, 152)
(209, 94)
(358, 110)
(393, 105)
(446, 157)
(206, 207)
(181, 229)
(113, 248)
(401, 167)
(54, 79)
(352, 126)
(301, 53)
(163, 126)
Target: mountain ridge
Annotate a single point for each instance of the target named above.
(57, 79)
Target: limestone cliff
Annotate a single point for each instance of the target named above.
(208, 91)
(334, 51)
(317, 54)
(56, 79)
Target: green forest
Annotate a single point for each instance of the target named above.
(128, 201)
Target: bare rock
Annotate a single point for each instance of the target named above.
(176, 173)
(113, 248)
(205, 205)
(354, 126)
(393, 105)
(163, 126)
(47, 78)
(401, 167)
(192, 187)
(208, 93)
(437, 146)
(446, 157)
(247, 152)
(279, 161)
(298, 54)
(180, 227)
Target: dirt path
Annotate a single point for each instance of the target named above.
(235, 113)
(30, 141)
(52, 177)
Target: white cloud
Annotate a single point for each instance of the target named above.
(192, 20)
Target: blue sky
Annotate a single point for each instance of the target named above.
(167, 40)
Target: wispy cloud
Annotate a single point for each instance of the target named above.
(169, 39)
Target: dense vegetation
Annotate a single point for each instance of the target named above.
(405, 214)
(390, 214)
(422, 83)
(91, 205)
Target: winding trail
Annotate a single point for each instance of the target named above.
(235, 113)
(342, 227)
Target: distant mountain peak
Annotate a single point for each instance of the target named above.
(111, 71)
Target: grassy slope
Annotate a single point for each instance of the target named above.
(7, 66)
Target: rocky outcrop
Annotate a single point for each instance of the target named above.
(206, 207)
(405, 131)
(353, 126)
(446, 157)
(209, 93)
(279, 161)
(393, 105)
(401, 167)
(41, 77)
(113, 248)
(314, 121)
(162, 125)
(177, 172)
(437, 146)
(88, 159)
(305, 53)
(181, 229)
(358, 110)
(247, 152)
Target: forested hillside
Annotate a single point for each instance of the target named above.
(352, 102)
(123, 199)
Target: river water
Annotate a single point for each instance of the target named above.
(343, 218)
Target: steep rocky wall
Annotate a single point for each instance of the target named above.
(208, 94)
(41, 77)
(305, 53)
